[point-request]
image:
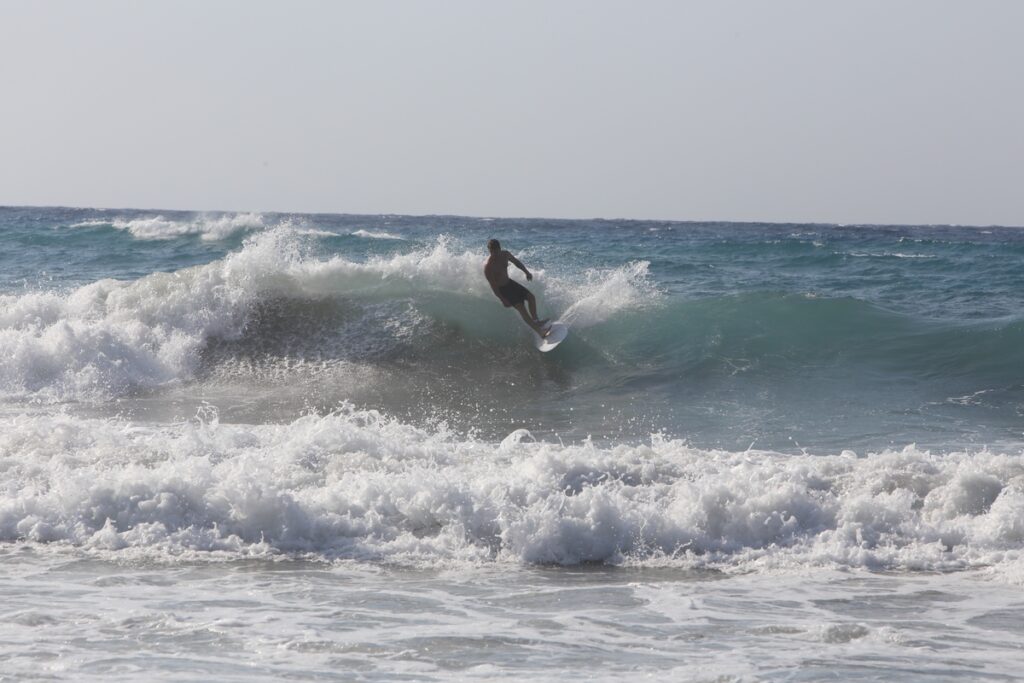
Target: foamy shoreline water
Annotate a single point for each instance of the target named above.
(254, 620)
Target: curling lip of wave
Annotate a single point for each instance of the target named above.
(355, 485)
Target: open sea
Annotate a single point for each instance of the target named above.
(263, 447)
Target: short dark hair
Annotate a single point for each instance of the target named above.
(493, 244)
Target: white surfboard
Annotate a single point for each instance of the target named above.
(559, 331)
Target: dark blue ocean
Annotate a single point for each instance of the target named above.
(288, 445)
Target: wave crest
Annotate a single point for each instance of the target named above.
(208, 227)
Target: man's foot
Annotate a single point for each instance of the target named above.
(543, 323)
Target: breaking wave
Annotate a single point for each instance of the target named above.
(113, 337)
(161, 228)
(357, 485)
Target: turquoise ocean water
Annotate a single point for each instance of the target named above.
(265, 445)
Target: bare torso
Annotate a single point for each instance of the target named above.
(496, 269)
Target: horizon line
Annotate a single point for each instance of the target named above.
(688, 221)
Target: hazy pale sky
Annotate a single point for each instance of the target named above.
(893, 111)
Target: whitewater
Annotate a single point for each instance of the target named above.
(264, 446)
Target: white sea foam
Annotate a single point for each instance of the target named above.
(207, 227)
(315, 232)
(112, 337)
(379, 235)
(890, 254)
(355, 485)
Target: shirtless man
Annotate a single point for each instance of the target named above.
(511, 293)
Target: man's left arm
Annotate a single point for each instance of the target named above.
(518, 264)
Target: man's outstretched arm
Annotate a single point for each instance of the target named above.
(518, 264)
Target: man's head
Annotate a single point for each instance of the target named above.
(494, 246)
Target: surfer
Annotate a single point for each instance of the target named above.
(511, 293)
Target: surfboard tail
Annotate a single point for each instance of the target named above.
(557, 334)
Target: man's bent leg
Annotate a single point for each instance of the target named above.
(532, 301)
(529, 320)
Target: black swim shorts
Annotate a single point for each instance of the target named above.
(514, 293)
